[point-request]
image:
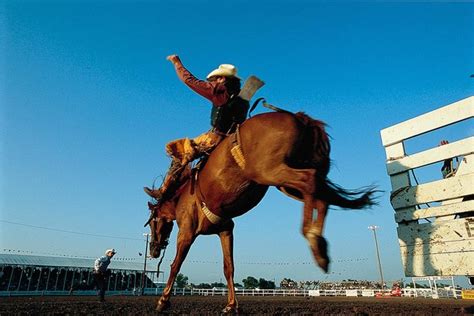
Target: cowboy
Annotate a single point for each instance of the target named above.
(448, 169)
(101, 273)
(222, 88)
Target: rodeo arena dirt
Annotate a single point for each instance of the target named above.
(248, 305)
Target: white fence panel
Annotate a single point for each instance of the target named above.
(368, 293)
(441, 117)
(445, 246)
(313, 293)
(440, 190)
(351, 293)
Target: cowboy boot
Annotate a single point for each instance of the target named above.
(171, 177)
(158, 193)
(154, 193)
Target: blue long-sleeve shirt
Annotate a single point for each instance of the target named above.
(101, 264)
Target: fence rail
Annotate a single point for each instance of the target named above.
(406, 292)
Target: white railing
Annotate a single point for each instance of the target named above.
(68, 293)
(431, 293)
(407, 292)
(251, 292)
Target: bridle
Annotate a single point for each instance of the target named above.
(152, 209)
(153, 220)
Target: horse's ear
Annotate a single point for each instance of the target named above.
(151, 206)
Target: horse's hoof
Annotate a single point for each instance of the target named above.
(323, 263)
(162, 306)
(319, 247)
(230, 310)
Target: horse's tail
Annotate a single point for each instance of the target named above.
(313, 149)
(338, 196)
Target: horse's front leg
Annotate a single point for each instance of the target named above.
(185, 240)
(227, 242)
(313, 231)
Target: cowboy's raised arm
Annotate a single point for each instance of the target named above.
(204, 88)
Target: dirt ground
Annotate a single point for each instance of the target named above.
(201, 305)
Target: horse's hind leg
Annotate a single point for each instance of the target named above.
(284, 176)
(303, 180)
(313, 231)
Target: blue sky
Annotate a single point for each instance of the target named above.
(88, 102)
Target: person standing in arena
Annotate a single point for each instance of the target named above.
(101, 272)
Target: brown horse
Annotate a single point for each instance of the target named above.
(282, 149)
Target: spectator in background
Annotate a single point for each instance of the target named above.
(448, 169)
(101, 272)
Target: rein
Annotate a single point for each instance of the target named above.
(275, 108)
(152, 209)
(267, 105)
(254, 105)
(161, 260)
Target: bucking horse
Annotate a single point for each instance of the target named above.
(281, 149)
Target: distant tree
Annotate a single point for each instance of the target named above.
(202, 286)
(181, 280)
(264, 284)
(287, 283)
(250, 282)
(218, 284)
(237, 285)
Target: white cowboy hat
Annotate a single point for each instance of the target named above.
(224, 70)
(112, 250)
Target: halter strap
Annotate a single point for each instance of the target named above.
(213, 218)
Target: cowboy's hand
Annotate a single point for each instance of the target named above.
(173, 58)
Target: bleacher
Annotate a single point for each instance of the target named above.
(31, 274)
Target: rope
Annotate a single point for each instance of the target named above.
(274, 108)
(417, 183)
(161, 260)
(255, 105)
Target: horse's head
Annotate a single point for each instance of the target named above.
(161, 225)
(160, 233)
